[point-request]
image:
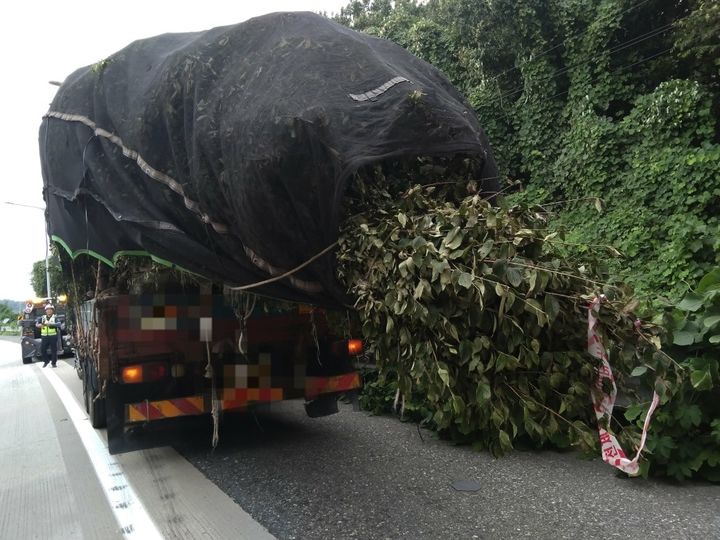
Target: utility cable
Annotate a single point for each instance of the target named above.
(646, 59)
(573, 36)
(613, 50)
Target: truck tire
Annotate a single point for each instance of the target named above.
(77, 363)
(94, 406)
(96, 411)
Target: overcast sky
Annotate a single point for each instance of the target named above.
(43, 41)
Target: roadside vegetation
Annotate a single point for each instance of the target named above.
(604, 116)
(58, 280)
(8, 318)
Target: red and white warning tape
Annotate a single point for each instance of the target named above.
(603, 403)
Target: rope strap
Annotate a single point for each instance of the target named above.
(288, 273)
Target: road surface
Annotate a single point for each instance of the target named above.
(358, 476)
(52, 481)
(346, 476)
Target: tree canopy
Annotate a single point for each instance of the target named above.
(58, 281)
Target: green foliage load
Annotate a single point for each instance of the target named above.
(478, 322)
(475, 311)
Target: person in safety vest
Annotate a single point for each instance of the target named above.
(49, 334)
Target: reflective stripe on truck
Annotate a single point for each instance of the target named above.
(235, 398)
(169, 408)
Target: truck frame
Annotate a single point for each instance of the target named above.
(152, 357)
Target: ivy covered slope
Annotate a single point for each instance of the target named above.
(685, 438)
(614, 99)
(614, 103)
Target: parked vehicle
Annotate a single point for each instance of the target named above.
(227, 153)
(30, 341)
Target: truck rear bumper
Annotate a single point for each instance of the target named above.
(30, 347)
(236, 398)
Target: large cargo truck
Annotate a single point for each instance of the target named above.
(151, 357)
(228, 153)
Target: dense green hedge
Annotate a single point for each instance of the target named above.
(685, 437)
(607, 114)
(614, 99)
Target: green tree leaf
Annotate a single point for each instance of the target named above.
(640, 370)
(684, 338)
(691, 302)
(711, 321)
(633, 412)
(465, 280)
(514, 276)
(504, 439)
(701, 380)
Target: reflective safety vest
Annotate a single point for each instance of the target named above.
(48, 330)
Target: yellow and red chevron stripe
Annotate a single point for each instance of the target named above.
(235, 398)
(314, 386)
(169, 408)
(232, 398)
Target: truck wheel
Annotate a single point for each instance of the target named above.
(85, 392)
(79, 368)
(94, 407)
(96, 411)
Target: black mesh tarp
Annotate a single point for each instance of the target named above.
(227, 152)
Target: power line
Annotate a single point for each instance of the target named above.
(623, 68)
(560, 43)
(619, 47)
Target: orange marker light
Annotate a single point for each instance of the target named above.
(132, 374)
(141, 373)
(354, 347)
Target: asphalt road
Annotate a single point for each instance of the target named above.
(350, 475)
(358, 476)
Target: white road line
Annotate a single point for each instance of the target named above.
(134, 521)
